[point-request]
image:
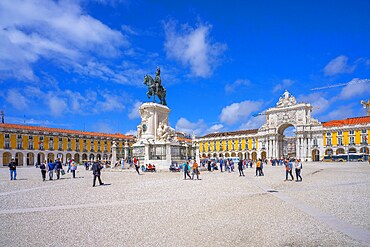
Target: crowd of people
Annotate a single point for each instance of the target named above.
(188, 167)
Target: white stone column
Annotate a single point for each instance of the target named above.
(125, 149)
(114, 155)
(24, 159)
(197, 153)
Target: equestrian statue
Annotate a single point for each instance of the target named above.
(155, 87)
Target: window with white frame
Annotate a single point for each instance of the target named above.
(351, 132)
(328, 142)
(351, 140)
(340, 141)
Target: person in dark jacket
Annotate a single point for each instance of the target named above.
(13, 169)
(58, 167)
(96, 167)
(51, 167)
(240, 168)
(43, 170)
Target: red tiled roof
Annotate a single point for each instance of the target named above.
(183, 139)
(348, 121)
(73, 132)
(231, 133)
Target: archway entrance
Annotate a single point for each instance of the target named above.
(40, 158)
(315, 155)
(19, 159)
(263, 155)
(254, 156)
(287, 141)
(30, 159)
(6, 158)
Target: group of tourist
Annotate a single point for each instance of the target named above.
(289, 164)
(57, 168)
(194, 167)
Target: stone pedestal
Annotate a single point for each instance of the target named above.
(157, 143)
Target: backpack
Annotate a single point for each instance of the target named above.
(42, 167)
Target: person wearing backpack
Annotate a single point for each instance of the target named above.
(58, 167)
(43, 170)
(186, 170)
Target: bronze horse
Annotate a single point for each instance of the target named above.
(155, 88)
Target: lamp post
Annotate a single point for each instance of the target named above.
(366, 105)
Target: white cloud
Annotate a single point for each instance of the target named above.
(253, 123)
(193, 47)
(341, 113)
(356, 87)
(285, 84)
(238, 112)
(57, 31)
(338, 66)
(57, 106)
(16, 99)
(188, 127)
(131, 132)
(231, 87)
(319, 101)
(215, 128)
(134, 113)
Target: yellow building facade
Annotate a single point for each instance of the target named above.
(30, 144)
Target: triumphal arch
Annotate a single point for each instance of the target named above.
(286, 113)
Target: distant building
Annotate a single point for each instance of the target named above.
(31, 144)
(313, 141)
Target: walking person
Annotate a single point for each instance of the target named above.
(195, 170)
(186, 170)
(240, 168)
(221, 163)
(58, 167)
(288, 170)
(96, 168)
(43, 170)
(298, 168)
(261, 169)
(73, 168)
(258, 168)
(137, 165)
(13, 169)
(51, 166)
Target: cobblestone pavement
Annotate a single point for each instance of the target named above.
(329, 208)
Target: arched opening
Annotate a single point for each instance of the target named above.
(19, 159)
(352, 150)
(340, 151)
(287, 140)
(329, 151)
(204, 156)
(240, 155)
(40, 158)
(233, 154)
(315, 155)
(60, 156)
(68, 156)
(98, 156)
(364, 150)
(30, 159)
(6, 158)
(254, 156)
(50, 157)
(92, 157)
(215, 155)
(227, 155)
(77, 158)
(84, 157)
(248, 156)
(263, 155)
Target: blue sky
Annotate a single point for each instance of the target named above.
(80, 64)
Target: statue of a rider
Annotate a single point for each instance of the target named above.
(157, 79)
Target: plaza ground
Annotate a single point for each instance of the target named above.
(329, 208)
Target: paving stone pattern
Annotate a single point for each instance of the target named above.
(329, 208)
